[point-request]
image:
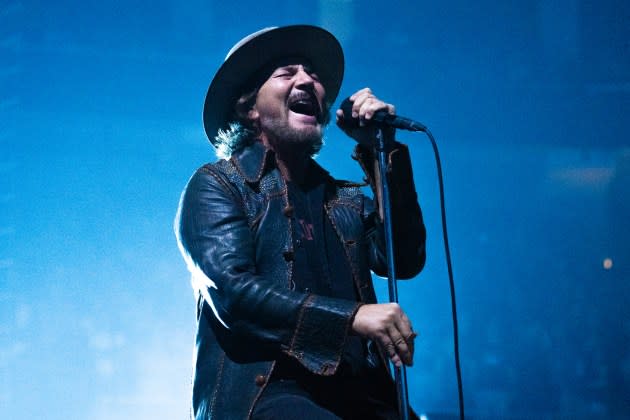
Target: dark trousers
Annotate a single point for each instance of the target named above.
(307, 396)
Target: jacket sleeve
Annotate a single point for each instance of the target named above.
(252, 309)
(408, 227)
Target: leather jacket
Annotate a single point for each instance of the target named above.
(235, 230)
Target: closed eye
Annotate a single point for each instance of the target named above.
(283, 73)
(289, 71)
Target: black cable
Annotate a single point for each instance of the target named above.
(460, 390)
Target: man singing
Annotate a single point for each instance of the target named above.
(280, 252)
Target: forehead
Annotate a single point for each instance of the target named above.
(288, 62)
(267, 70)
(264, 72)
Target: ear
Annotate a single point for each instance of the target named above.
(253, 114)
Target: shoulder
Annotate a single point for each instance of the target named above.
(222, 171)
(346, 194)
(211, 179)
(221, 166)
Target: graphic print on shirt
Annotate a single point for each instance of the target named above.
(307, 230)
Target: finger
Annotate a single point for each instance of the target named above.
(361, 96)
(402, 348)
(403, 324)
(360, 92)
(339, 116)
(368, 107)
(390, 350)
(371, 106)
(343, 123)
(396, 361)
(400, 344)
(410, 340)
(411, 337)
(359, 103)
(403, 331)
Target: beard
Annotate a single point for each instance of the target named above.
(282, 136)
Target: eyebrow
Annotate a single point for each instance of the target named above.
(293, 68)
(292, 62)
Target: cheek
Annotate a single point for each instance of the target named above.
(270, 102)
(262, 109)
(321, 93)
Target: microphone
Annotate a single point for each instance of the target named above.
(381, 118)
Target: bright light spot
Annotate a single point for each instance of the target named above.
(423, 417)
(608, 263)
(11, 353)
(22, 316)
(105, 367)
(104, 341)
(6, 263)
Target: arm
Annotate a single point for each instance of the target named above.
(408, 227)
(218, 244)
(387, 324)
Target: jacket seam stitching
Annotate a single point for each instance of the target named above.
(259, 173)
(225, 184)
(218, 383)
(284, 193)
(355, 274)
(262, 388)
(345, 203)
(307, 302)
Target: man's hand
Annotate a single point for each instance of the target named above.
(387, 325)
(364, 105)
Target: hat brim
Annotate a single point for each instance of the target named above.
(318, 46)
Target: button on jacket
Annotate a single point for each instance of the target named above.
(236, 233)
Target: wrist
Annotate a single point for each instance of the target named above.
(352, 323)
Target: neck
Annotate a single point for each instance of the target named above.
(292, 160)
(292, 166)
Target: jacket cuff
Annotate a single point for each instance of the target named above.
(322, 327)
(398, 163)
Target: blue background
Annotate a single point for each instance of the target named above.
(100, 128)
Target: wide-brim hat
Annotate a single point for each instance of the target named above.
(256, 51)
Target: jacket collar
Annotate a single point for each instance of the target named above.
(253, 161)
(256, 159)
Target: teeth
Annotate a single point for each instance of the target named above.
(304, 103)
(304, 106)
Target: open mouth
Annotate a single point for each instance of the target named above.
(305, 104)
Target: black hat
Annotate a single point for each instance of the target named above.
(252, 53)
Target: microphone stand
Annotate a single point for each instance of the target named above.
(400, 372)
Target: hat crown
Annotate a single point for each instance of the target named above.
(257, 49)
(248, 38)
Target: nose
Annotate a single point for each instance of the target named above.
(304, 78)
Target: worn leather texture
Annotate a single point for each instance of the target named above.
(235, 226)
